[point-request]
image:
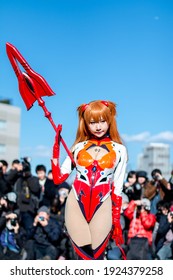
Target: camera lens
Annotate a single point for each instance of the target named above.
(13, 222)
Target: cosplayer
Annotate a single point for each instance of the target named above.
(93, 205)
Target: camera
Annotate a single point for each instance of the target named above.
(41, 218)
(155, 177)
(25, 161)
(139, 207)
(13, 222)
(171, 213)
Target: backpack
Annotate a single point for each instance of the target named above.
(27, 201)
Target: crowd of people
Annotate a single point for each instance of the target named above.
(32, 215)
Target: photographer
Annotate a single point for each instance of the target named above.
(9, 238)
(5, 186)
(7, 205)
(140, 229)
(11, 235)
(3, 166)
(14, 173)
(27, 188)
(157, 189)
(170, 188)
(57, 211)
(164, 236)
(45, 235)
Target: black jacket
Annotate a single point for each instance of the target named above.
(28, 202)
(5, 186)
(49, 192)
(163, 228)
(48, 235)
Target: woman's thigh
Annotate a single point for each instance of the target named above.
(75, 222)
(101, 223)
(78, 228)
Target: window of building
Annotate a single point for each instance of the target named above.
(3, 124)
(2, 149)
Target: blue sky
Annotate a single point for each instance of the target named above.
(87, 50)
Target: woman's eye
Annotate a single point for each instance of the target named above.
(102, 121)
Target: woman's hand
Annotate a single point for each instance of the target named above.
(56, 146)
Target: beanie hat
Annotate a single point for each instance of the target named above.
(64, 185)
(142, 174)
(44, 209)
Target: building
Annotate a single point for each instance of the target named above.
(155, 155)
(9, 131)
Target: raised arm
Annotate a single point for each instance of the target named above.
(60, 174)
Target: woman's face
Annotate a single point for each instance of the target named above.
(141, 180)
(98, 129)
(132, 179)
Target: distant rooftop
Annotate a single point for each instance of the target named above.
(159, 145)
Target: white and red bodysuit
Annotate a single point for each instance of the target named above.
(100, 169)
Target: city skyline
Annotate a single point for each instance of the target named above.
(89, 50)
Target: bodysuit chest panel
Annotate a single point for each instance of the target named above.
(102, 152)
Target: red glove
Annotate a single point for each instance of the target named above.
(116, 211)
(56, 146)
(58, 178)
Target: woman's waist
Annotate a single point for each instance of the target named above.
(87, 188)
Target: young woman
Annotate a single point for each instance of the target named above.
(92, 213)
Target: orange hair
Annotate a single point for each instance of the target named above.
(95, 110)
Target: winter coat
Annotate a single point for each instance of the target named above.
(142, 225)
(153, 188)
(28, 193)
(163, 228)
(49, 193)
(48, 235)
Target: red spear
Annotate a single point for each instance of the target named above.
(32, 87)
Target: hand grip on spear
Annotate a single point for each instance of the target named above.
(32, 87)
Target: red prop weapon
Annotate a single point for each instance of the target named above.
(32, 87)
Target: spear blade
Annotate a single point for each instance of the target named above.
(29, 93)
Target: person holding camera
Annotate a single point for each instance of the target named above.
(27, 188)
(140, 229)
(164, 235)
(57, 210)
(45, 235)
(3, 166)
(157, 189)
(8, 204)
(11, 235)
(5, 186)
(14, 172)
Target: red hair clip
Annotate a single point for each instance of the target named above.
(84, 107)
(105, 103)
